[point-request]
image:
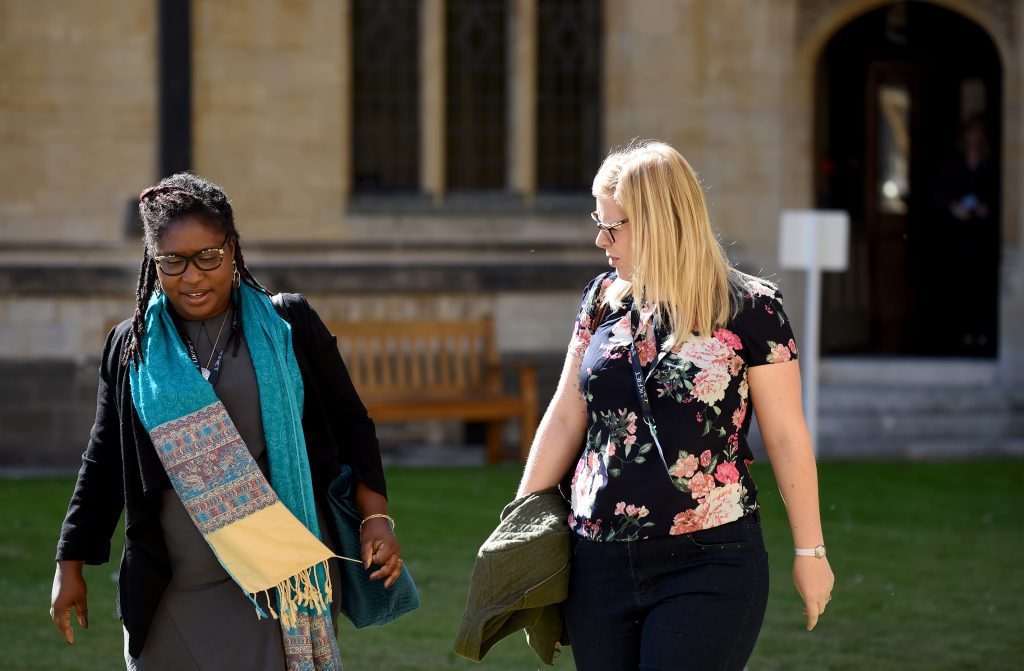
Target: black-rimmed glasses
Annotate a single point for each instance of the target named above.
(205, 260)
(607, 228)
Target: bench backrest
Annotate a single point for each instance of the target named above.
(426, 359)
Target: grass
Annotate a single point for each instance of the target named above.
(927, 559)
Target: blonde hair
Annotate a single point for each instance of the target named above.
(678, 263)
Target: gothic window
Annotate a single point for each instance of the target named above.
(476, 122)
(568, 93)
(385, 115)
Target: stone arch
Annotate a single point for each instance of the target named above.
(818, 21)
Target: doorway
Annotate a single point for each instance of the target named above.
(899, 91)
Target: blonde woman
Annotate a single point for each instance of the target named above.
(669, 569)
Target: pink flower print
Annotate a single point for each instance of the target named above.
(585, 321)
(710, 384)
(590, 477)
(726, 473)
(733, 442)
(630, 439)
(747, 462)
(611, 449)
(705, 352)
(779, 353)
(619, 336)
(721, 506)
(760, 289)
(792, 347)
(685, 467)
(701, 485)
(738, 415)
(633, 511)
(689, 466)
(705, 458)
(744, 389)
(579, 343)
(620, 508)
(685, 522)
(700, 417)
(728, 338)
(735, 365)
(647, 350)
(769, 310)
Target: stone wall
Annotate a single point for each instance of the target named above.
(77, 117)
(46, 410)
(729, 83)
(267, 95)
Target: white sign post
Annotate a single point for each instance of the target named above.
(813, 241)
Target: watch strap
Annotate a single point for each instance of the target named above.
(817, 551)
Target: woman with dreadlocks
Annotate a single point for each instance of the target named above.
(222, 416)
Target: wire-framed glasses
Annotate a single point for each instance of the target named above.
(608, 229)
(205, 260)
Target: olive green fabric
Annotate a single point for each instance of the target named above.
(520, 579)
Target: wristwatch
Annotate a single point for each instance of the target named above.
(817, 551)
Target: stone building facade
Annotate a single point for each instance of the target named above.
(288, 106)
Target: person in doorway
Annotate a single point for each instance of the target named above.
(219, 426)
(967, 192)
(672, 353)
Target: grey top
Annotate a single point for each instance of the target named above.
(194, 564)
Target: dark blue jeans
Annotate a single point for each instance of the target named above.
(688, 603)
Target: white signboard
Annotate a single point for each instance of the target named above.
(814, 239)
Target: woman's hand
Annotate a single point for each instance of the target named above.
(381, 547)
(814, 581)
(69, 592)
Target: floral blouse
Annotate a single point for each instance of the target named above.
(622, 489)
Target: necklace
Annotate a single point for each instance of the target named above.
(205, 370)
(205, 332)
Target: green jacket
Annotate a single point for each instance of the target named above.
(520, 579)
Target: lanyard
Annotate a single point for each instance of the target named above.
(640, 378)
(213, 373)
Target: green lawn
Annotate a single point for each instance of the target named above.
(927, 557)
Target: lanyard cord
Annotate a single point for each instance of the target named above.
(640, 378)
(211, 374)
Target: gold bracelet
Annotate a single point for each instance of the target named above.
(366, 519)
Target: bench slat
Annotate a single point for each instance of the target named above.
(435, 369)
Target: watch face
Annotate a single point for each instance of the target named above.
(819, 551)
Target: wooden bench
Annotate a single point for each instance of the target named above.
(407, 370)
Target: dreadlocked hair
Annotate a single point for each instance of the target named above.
(177, 196)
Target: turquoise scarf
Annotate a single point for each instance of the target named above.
(264, 534)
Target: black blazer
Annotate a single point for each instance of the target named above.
(121, 470)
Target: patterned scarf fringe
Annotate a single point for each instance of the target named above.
(302, 590)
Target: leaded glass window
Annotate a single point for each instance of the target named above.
(385, 119)
(477, 93)
(568, 95)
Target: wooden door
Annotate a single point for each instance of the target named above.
(889, 200)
